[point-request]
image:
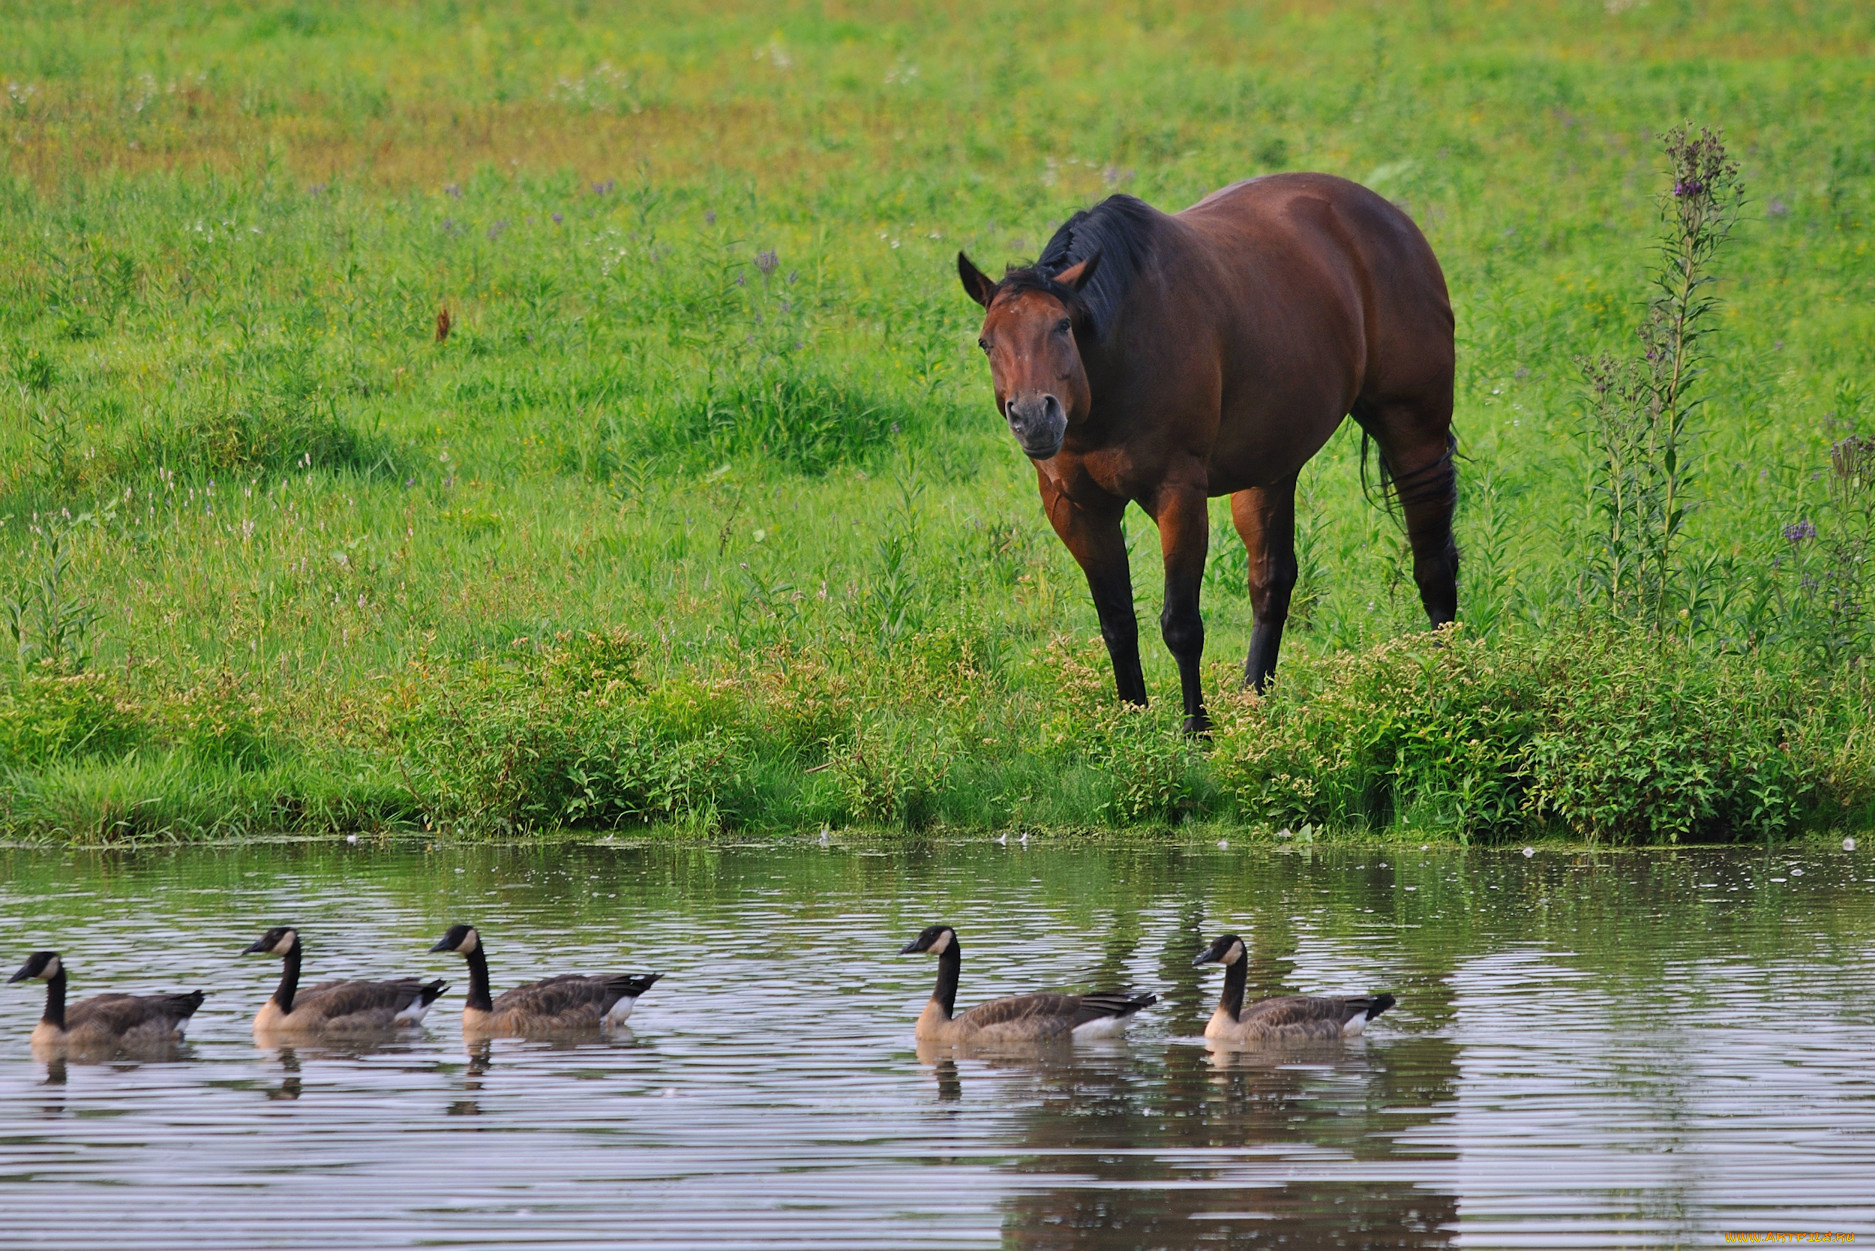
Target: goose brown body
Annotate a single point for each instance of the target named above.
(103, 1023)
(337, 1008)
(1017, 1018)
(567, 1003)
(1283, 1018)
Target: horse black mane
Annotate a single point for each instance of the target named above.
(1122, 230)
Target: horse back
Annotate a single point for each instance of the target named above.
(1326, 297)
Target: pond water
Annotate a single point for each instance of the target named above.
(1589, 1050)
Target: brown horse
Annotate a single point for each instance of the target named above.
(1170, 358)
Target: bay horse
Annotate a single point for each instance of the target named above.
(1168, 358)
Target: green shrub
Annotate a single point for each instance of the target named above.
(1157, 772)
(1605, 735)
(47, 717)
(892, 775)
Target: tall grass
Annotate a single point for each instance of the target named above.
(709, 389)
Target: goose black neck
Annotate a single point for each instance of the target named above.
(478, 981)
(289, 979)
(1236, 974)
(55, 999)
(950, 964)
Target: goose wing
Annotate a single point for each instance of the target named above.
(368, 1005)
(1049, 1015)
(120, 1016)
(1309, 1016)
(569, 1000)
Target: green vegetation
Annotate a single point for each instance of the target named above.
(699, 514)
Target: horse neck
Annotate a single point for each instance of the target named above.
(1236, 976)
(54, 1014)
(289, 979)
(478, 981)
(950, 964)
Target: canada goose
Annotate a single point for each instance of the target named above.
(336, 1007)
(1018, 1018)
(103, 1022)
(566, 1003)
(1285, 1018)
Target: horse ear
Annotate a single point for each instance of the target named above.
(1079, 274)
(977, 284)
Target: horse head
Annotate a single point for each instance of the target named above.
(1029, 333)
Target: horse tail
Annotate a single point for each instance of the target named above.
(1383, 473)
(1434, 482)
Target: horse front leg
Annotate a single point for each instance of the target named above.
(1095, 540)
(1265, 518)
(1184, 535)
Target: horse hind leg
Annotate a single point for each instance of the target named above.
(1419, 476)
(1265, 518)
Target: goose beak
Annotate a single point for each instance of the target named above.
(910, 948)
(259, 944)
(443, 944)
(19, 976)
(1207, 956)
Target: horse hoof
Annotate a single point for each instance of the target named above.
(1198, 726)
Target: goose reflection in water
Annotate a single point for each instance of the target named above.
(1177, 1144)
(289, 1087)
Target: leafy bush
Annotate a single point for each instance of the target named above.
(1606, 735)
(1157, 772)
(46, 717)
(571, 736)
(892, 778)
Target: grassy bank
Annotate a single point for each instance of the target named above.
(699, 512)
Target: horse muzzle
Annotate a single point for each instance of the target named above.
(1039, 423)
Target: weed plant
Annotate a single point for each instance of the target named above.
(477, 418)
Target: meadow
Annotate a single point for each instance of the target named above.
(483, 418)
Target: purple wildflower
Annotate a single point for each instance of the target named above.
(766, 261)
(1777, 208)
(494, 231)
(602, 188)
(1687, 187)
(709, 217)
(557, 219)
(317, 188)
(453, 189)
(1799, 531)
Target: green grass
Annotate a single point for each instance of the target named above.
(664, 533)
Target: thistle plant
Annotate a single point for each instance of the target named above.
(1833, 605)
(1640, 408)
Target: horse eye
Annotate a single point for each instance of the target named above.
(1063, 326)
(984, 344)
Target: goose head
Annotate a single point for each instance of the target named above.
(44, 965)
(935, 940)
(461, 939)
(281, 940)
(1226, 950)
